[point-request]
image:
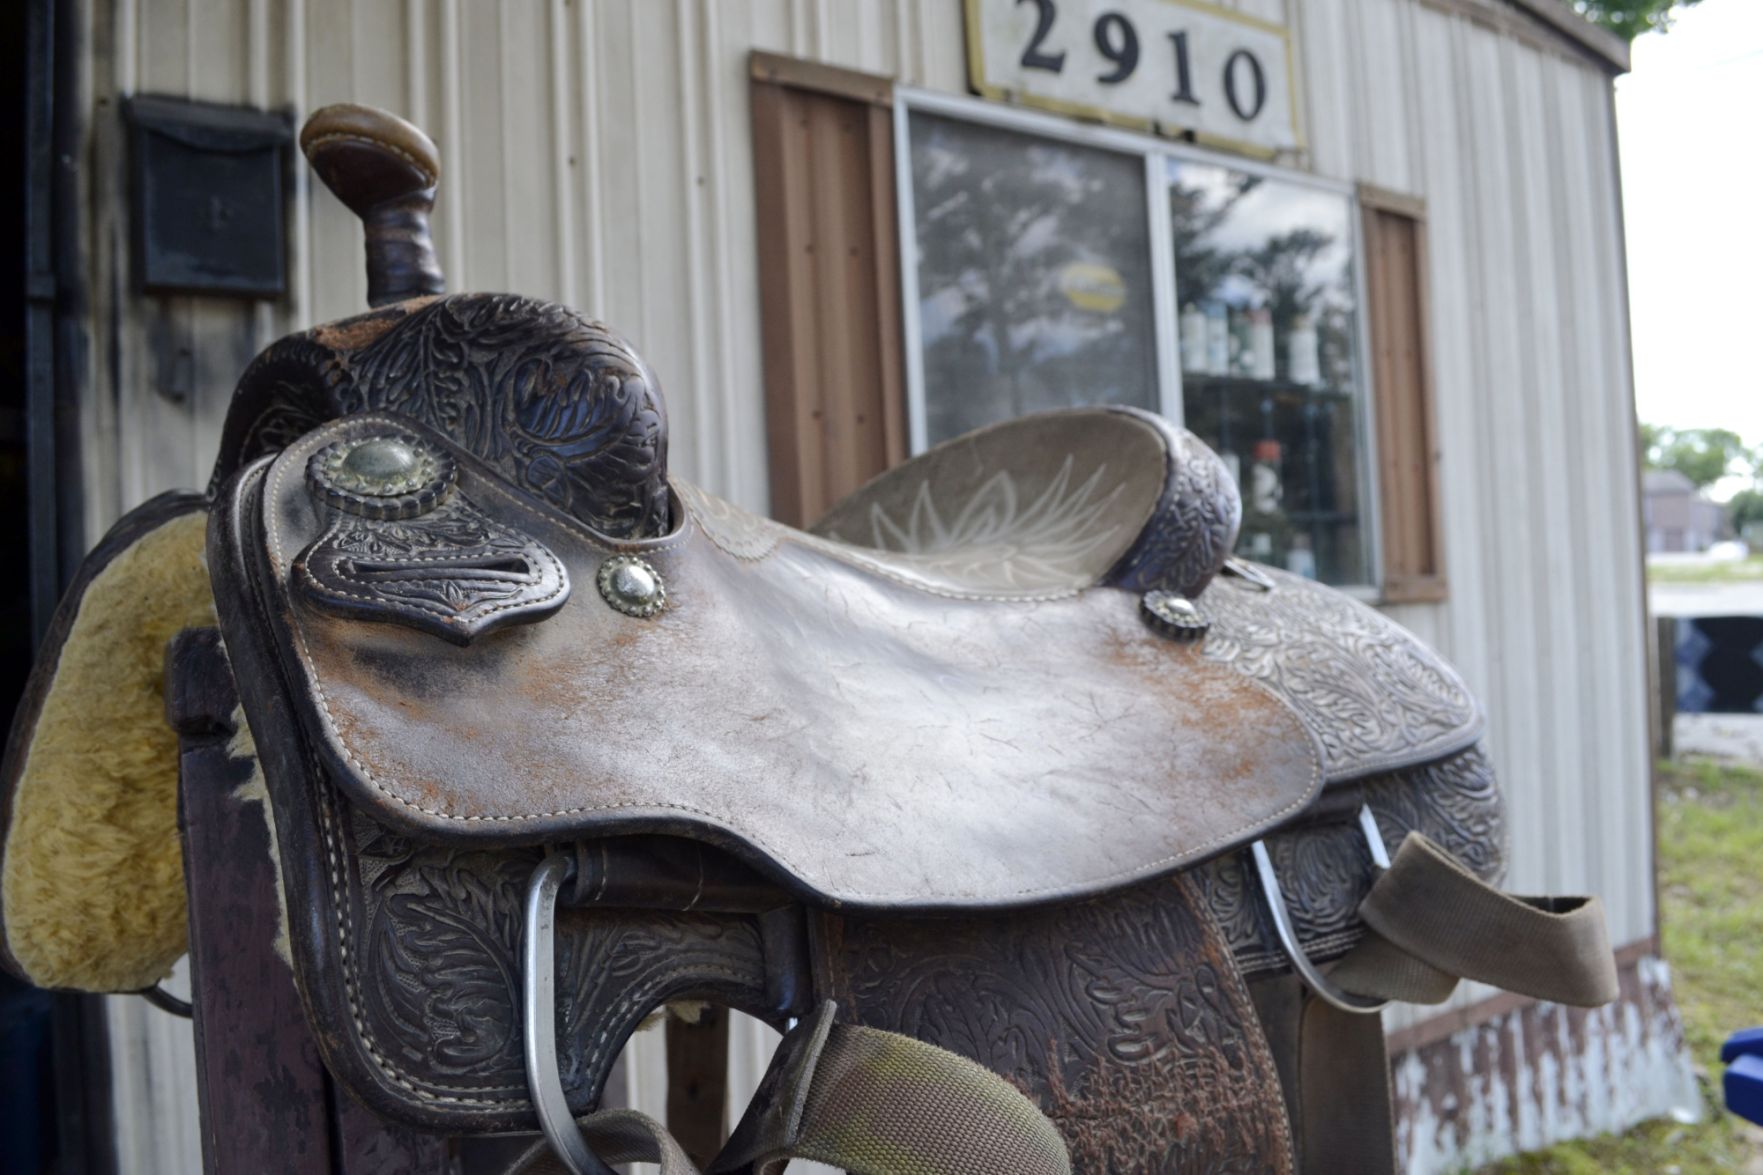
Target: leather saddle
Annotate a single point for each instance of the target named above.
(1003, 788)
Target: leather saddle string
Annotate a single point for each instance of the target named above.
(865, 1101)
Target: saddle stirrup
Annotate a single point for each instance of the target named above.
(538, 1018)
(1312, 975)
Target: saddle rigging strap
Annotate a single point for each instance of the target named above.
(1430, 924)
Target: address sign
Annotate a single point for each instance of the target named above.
(1166, 65)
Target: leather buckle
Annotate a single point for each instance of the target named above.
(538, 1018)
(1312, 975)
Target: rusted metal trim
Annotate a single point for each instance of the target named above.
(1600, 42)
(1547, 25)
(1447, 1024)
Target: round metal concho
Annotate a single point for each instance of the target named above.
(1174, 615)
(632, 586)
(393, 475)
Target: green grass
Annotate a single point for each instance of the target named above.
(1711, 893)
(1731, 571)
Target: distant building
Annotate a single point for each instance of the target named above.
(1678, 517)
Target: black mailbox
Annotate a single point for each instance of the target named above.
(208, 198)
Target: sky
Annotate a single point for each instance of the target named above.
(1692, 187)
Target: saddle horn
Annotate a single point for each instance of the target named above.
(385, 170)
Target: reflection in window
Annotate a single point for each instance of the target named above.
(1034, 275)
(1268, 329)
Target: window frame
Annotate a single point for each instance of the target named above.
(1155, 155)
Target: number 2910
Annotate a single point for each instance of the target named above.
(1117, 40)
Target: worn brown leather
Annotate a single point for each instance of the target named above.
(371, 876)
(385, 170)
(873, 740)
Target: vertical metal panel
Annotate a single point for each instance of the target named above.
(1380, 65)
(1533, 399)
(1329, 119)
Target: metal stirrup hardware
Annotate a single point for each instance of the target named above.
(539, 1019)
(1312, 975)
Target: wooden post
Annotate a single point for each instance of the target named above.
(259, 1084)
(267, 1105)
(1665, 682)
(369, 1145)
(697, 1082)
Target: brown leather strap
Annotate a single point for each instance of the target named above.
(1433, 922)
(1342, 1120)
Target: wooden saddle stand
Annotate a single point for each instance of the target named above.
(452, 738)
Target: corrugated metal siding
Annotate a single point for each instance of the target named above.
(1512, 148)
(598, 152)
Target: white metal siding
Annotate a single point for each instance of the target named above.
(598, 152)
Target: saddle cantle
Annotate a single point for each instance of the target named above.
(978, 758)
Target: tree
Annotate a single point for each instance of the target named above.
(1651, 435)
(1628, 19)
(1745, 508)
(1704, 455)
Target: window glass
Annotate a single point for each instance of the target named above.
(1034, 275)
(1269, 358)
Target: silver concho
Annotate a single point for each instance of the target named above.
(632, 586)
(388, 476)
(1173, 615)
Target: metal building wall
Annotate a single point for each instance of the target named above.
(1513, 149)
(598, 152)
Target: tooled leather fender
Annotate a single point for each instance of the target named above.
(1124, 1018)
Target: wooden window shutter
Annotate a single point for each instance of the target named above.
(829, 280)
(1401, 378)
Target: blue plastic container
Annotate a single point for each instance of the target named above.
(1743, 1056)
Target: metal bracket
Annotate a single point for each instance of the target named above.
(1332, 994)
(538, 1014)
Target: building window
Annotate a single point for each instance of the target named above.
(1034, 275)
(1054, 266)
(1036, 263)
(1268, 335)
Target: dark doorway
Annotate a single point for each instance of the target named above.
(54, 1075)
